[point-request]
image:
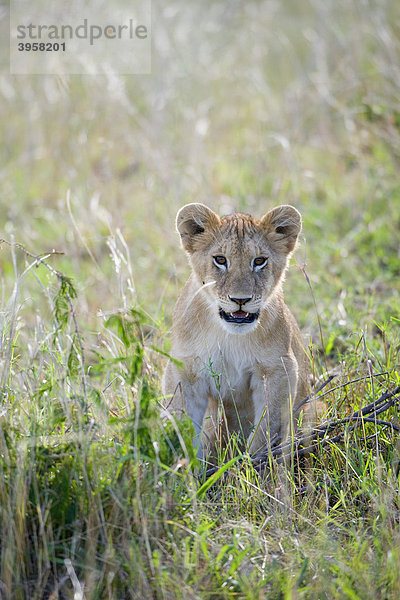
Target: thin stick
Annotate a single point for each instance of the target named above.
(318, 437)
(40, 260)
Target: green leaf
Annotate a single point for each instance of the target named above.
(215, 476)
(177, 362)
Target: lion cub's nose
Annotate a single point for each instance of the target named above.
(239, 301)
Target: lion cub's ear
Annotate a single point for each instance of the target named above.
(192, 220)
(282, 226)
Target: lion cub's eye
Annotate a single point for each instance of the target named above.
(259, 262)
(220, 261)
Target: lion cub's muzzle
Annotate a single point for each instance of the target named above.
(242, 315)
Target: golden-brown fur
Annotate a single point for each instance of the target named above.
(243, 375)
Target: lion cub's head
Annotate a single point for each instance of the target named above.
(238, 261)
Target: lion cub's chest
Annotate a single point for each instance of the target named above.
(229, 365)
(229, 373)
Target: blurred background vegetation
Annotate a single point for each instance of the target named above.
(248, 105)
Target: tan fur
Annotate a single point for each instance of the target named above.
(246, 376)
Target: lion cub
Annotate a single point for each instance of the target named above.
(244, 366)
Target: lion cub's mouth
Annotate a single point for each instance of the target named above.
(240, 316)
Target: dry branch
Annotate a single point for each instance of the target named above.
(320, 436)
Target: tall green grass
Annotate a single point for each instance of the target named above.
(102, 499)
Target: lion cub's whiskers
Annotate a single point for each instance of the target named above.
(201, 288)
(194, 296)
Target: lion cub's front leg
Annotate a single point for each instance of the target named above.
(189, 395)
(274, 391)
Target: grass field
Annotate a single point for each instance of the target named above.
(248, 105)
